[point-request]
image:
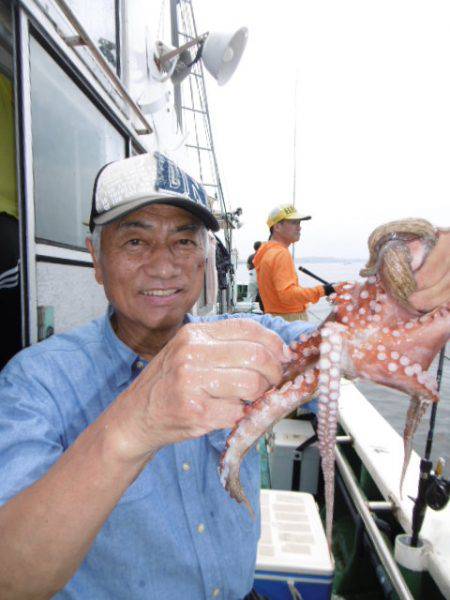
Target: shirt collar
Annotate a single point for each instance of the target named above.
(125, 358)
(120, 354)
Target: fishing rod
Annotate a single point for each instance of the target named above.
(433, 490)
(434, 407)
(313, 275)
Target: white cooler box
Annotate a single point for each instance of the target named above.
(293, 560)
(287, 435)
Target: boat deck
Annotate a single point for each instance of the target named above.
(381, 450)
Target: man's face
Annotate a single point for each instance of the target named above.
(290, 229)
(152, 264)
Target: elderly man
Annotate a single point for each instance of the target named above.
(278, 284)
(110, 435)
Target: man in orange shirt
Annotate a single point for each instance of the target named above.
(277, 277)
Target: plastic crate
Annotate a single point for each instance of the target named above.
(293, 559)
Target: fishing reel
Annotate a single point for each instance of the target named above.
(438, 489)
(434, 492)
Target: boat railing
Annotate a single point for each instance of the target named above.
(365, 508)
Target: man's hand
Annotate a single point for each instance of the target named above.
(196, 384)
(433, 278)
(329, 289)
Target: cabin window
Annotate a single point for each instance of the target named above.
(71, 141)
(99, 19)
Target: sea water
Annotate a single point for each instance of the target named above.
(390, 403)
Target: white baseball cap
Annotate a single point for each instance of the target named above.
(125, 185)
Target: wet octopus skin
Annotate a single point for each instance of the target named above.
(373, 334)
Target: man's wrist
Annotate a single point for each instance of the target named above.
(122, 443)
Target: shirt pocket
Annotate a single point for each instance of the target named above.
(250, 481)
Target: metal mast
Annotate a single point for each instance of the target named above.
(191, 106)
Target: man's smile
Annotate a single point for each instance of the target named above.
(160, 292)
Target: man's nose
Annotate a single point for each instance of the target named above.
(160, 261)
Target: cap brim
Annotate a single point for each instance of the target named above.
(199, 211)
(297, 217)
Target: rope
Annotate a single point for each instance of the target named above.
(160, 32)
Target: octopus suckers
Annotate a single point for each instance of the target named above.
(324, 363)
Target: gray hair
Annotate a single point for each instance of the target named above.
(96, 239)
(204, 239)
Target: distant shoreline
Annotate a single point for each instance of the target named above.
(330, 259)
(323, 259)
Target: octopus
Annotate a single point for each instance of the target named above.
(372, 333)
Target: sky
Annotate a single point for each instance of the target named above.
(366, 87)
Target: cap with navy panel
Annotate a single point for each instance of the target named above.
(126, 185)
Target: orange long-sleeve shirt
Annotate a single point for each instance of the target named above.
(278, 282)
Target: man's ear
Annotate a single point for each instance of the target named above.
(97, 266)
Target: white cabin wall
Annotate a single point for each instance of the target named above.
(73, 293)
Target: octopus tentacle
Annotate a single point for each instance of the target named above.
(417, 408)
(263, 413)
(327, 418)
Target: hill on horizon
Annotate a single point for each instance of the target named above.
(333, 259)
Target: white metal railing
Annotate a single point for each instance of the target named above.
(83, 38)
(363, 508)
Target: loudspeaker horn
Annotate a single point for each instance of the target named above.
(222, 52)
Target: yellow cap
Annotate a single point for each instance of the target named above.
(283, 212)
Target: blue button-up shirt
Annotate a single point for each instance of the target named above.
(175, 533)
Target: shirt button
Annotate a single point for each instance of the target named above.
(216, 592)
(139, 365)
(186, 466)
(200, 528)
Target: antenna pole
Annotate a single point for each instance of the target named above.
(176, 43)
(294, 178)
